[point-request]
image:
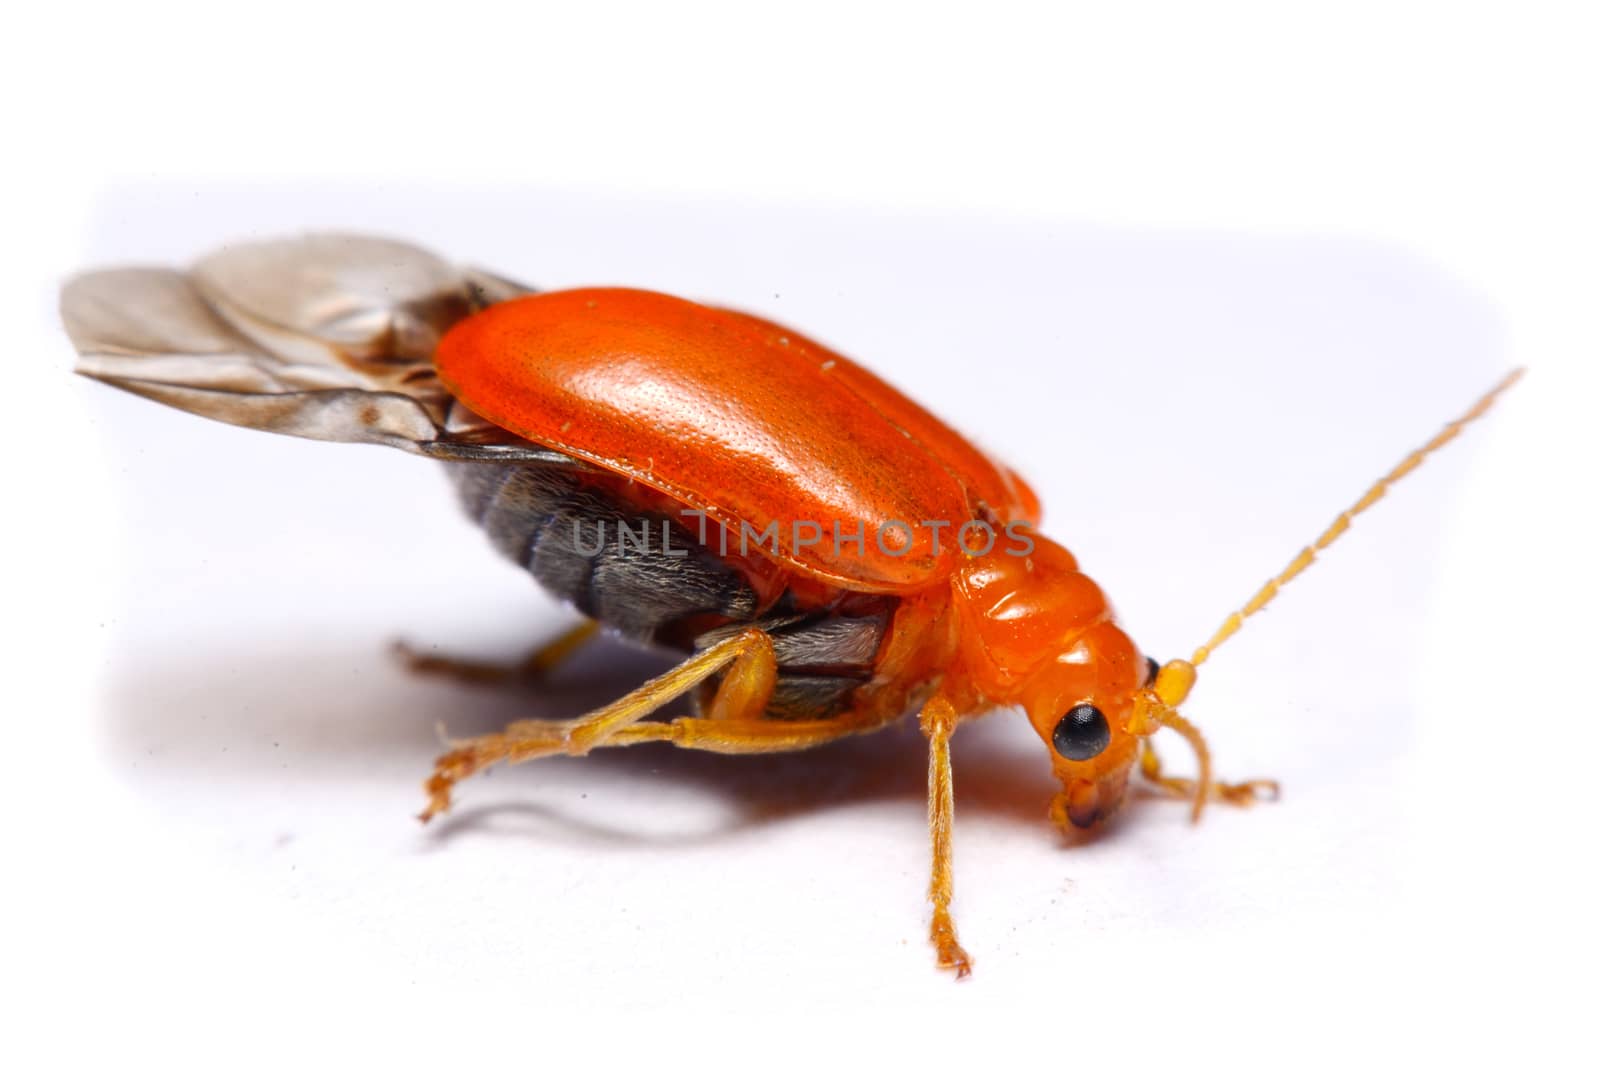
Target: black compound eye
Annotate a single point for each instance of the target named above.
(1082, 733)
(1151, 669)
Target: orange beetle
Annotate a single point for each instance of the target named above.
(826, 553)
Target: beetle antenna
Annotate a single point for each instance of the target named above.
(1308, 555)
(1155, 706)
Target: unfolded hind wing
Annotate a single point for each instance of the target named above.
(326, 336)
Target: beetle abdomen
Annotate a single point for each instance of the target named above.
(648, 577)
(634, 573)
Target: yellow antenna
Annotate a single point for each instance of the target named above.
(1156, 706)
(1308, 555)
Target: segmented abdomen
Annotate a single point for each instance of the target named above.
(647, 576)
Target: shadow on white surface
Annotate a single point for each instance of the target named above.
(240, 720)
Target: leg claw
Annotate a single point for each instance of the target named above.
(950, 953)
(956, 959)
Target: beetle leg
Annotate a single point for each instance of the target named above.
(538, 663)
(745, 689)
(1239, 794)
(532, 738)
(938, 722)
(750, 736)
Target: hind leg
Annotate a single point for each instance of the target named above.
(742, 694)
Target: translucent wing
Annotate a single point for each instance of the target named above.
(327, 336)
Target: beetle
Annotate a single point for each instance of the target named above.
(826, 555)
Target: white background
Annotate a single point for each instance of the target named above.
(1202, 276)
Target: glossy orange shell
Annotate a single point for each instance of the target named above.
(740, 418)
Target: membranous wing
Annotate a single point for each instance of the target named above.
(326, 336)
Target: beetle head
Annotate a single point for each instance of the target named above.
(1083, 703)
(1094, 712)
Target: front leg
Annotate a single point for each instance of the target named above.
(1240, 794)
(938, 723)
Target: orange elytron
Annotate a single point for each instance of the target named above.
(828, 555)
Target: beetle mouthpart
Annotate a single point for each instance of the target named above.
(1086, 803)
(1082, 803)
(1072, 813)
